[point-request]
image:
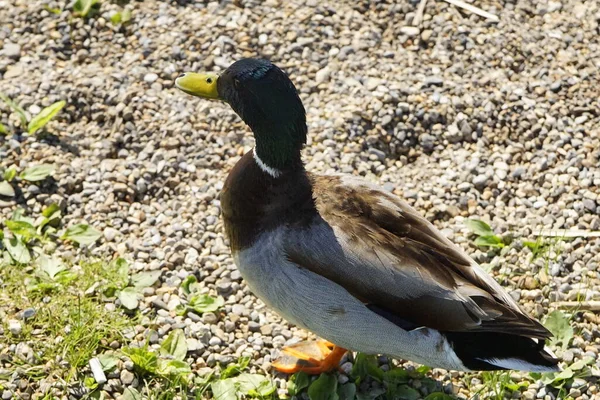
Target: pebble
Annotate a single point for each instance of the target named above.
(15, 327)
(151, 77)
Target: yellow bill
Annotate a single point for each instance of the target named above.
(201, 85)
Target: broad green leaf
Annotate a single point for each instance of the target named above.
(406, 393)
(438, 396)
(173, 367)
(557, 323)
(40, 120)
(2, 129)
(255, 385)
(202, 303)
(324, 388)
(10, 174)
(145, 279)
(174, 345)
(83, 7)
(225, 389)
(489, 241)
(52, 266)
(82, 234)
(478, 227)
(396, 376)
(366, 365)
(22, 228)
(347, 391)
(129, 298)
(18, 215)
(17, 250)
(16, 108)
(37, 173)
(580, 364)
(235, 368)
(6, 189)
(142, 358)
(108, 361)
(300, 380)
(131, 393)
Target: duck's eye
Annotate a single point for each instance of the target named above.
(208, 80)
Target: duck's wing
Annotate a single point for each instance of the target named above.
(383, 252)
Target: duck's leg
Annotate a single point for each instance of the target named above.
(310, 357)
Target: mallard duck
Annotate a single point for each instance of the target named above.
(354, 264)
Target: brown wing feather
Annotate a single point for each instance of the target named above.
(387, 236)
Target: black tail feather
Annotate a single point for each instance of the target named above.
(487, 351)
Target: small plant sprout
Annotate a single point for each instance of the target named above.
(485, 235)
(33, 125)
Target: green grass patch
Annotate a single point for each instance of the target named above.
(62, 325)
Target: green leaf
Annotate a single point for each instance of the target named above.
(235, 368)
(37, 173)
(22, 228)
(50, 216)
(557, 323)
(17, 250)
(6, 189)
(421, 371)
(324, 388)
(82, 234)
(3, 130)
(189, 285)
(129, 298)
(580, 364)
(438, 396)
(406, 393)
(16, 108)
(202, 303)
(347, 391)
(225, 389)
(52, 266)
(83, 7)
(366, 365)
(10, 174)
(173, 368)
(116, 18)
(478, 227)
(108, 361)
(131, 393)
(396, 376)
(142, 358)
(298, 382)
(174, 345)
(145, 279)
(55, 11)
(40, 120)
(126, 16)
(489, 241)
(50, 210)
(254, 385)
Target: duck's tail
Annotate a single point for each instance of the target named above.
(488, 351)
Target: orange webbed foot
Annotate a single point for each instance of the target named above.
(311, 357)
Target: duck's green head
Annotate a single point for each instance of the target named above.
(265, 98)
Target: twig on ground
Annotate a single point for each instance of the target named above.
(419, 15)
(561, 233)
(593, 305)
(474, 10)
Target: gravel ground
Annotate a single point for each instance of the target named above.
(461, 117)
